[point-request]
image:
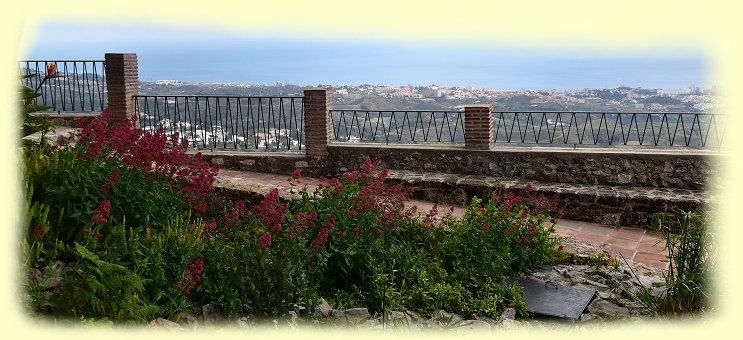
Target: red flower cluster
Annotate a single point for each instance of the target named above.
(430, 217)
(485, 227)
(153, 153)
(191, 277)
(321, 239)
(264, 241)
(210, 227)
(302, 221)
(271, 211)
(38, 231)
(102, 213)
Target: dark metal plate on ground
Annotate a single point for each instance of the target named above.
(553, 299)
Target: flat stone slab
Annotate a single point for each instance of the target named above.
(554, 299)
(59, 134)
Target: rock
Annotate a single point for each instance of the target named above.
(508, 313)
(371, 323)
(323, 309)
(475, 324)
(605, 295)
(604, 308)
(660, 292)
(396, 316)
(242, 322)
(218, 161)
(248, 162)
(196, 311)
(293, 318)
(355, 314)
(57, 269)
(444, 317)
(33, 275)
(596, 284)
(211, 313)
(163, 323)
(509, 323)
(186, 319)
(624, 178)
(301, 164)
(587, 317)
(413, 316)
(647, 281)
(459, 196)
(486, 319)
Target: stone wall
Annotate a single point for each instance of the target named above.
(679, 170)
(673, 170)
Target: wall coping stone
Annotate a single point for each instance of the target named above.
(533, 150)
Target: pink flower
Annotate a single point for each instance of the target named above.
(271, 211)
(210, 227)
(296, 174)
(39, 231)
(101, 213)
(191, 276)
(264, 241)
(485, 227)
(320, 240)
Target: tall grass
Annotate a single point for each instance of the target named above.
(691, 255)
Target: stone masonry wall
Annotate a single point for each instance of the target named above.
(691, 171)
(680, 170)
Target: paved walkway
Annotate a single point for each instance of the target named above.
(634, 244)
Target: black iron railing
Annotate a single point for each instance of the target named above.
(403, 126)
(605, 129)
(226, 122)
(79, 87)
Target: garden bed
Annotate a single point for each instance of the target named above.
(126, 228)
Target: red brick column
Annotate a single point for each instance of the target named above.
(478, 127)
(318, 124)
(122, 80)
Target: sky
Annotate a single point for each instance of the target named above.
(202, 54)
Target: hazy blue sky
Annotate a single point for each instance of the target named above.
(201, 54)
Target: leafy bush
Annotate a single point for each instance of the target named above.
(511, 236)
(116, 207)
(245, 277)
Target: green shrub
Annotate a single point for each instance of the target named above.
(116, 207)
(242, 278)
(501, 238)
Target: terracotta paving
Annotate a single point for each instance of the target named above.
(634, 244)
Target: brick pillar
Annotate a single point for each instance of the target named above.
(478, 127)
(318, 124)
(122, 80)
